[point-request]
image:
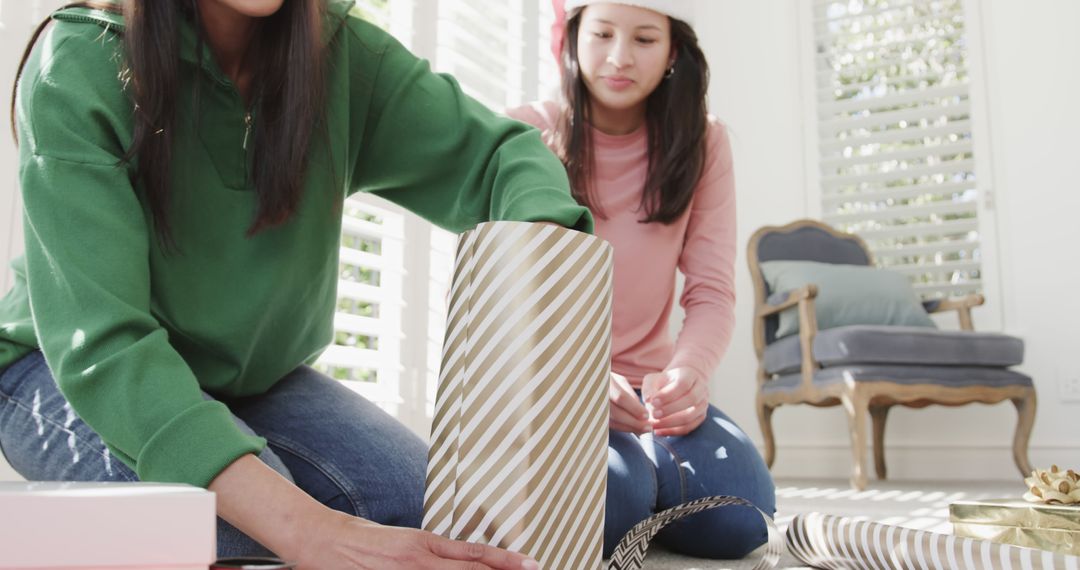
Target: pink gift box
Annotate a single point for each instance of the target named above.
(94, 526)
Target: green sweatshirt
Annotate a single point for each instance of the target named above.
(131, 333)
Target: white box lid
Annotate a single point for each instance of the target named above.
(80, 525)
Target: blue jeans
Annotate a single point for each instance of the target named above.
(341, 449)
(647, 474)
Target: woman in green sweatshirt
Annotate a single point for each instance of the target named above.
(183, 167)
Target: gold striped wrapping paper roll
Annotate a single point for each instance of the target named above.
(518, 453)
(830, 542)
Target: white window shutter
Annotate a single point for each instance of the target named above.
(481, 43)
(366, 351)
(895, 126)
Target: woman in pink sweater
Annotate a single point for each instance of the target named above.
(656, 171)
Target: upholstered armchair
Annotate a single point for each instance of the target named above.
(867, 363)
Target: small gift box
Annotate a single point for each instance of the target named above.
(1021, 523)
(92, 526)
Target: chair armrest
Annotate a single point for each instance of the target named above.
(803, 298)
(785, 300)
(808, 329)
(962, 306)
(957, 304)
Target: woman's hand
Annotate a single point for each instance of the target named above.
(279, 515)
(343, 541)
(678, 399)
(627, 413)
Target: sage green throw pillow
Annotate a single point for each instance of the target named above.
(847, 295)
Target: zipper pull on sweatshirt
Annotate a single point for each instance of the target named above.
(247, 128)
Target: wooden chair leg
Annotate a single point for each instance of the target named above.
(878, 414)
(1025, 410)
(764, 414)
(857, 407)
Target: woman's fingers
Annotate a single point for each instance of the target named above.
(653, 383)
(357, 544)
(683, 421)
(674, 391)
(626, 411)
(622, 419)
(478, 556)
(663, 407)
(622, 395)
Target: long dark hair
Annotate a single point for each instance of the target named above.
(675, 117)
(289, 94)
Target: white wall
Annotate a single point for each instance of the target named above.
(1033, 87)
(758, 52)
(752, 48)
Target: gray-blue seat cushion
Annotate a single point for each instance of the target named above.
(874, 344)
(951, 376)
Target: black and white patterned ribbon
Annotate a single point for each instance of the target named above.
(631, 551)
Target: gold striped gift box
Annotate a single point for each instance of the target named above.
(518, 453)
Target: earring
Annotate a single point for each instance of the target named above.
(670, 72)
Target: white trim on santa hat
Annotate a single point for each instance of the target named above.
(678, 9)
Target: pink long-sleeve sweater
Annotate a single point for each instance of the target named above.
(700, 244)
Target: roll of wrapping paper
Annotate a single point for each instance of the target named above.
(518, 453)
(824, 541)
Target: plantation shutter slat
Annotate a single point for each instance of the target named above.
(957, 128)
(964, 147)
(887, 119)
(905, 98)
(941, 207)
(954, 227)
